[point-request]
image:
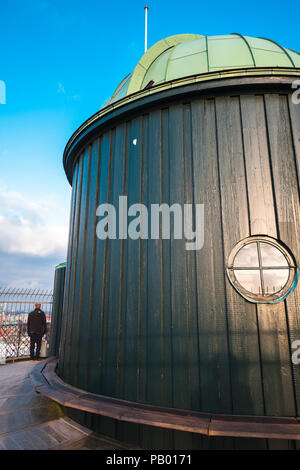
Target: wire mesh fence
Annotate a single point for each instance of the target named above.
(15, 305)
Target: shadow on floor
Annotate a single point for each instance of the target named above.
(29, 421)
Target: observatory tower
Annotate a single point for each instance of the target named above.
(206, 121)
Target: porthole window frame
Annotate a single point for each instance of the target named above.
(264, 298)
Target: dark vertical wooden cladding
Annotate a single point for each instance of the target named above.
(86, 278)
(148, 320)
(287, 202)
(191, 269)
(57, 309)
(167, 356)
(178, 267)
(258, 172)
(114, 274)
(131, 277)
(294, 302)
(143, 343)
(247, 394)
(294, 110)
(96, 338)
(62, 348)
(214, 370)
(71, 275)
(154, 274)
(95, 185)
(78, 305)
(272, 324)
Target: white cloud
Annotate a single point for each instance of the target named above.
(28, 271)
(26, 226)
(23, 236)
(14, 206)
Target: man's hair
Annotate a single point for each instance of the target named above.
(37, 305)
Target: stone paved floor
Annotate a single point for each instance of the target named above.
(30, 421)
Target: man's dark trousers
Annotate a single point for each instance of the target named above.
(36, 328)
(35, 339)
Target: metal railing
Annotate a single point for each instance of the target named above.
(15, 305)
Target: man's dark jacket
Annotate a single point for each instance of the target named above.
(36, 322)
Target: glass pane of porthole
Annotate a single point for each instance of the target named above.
(247, 257)
(249, 280)
(271, 256)
(275, 279)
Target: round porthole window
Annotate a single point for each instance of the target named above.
(262, 270)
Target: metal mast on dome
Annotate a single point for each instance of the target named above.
(146, 27)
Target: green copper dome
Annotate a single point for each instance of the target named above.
(61, 265)
(185, 55)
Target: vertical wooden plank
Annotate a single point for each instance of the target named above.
(187, 441)
(129, 358)
(105, 282)
(95, 184)
(294, 111)
(98, 289)
(56, 313)
(106, 334)
(73, 274)
(128, 432)
(57, 310)
(218, 443)
(129, 339)
(114, 276)
(293, 300)
(106, 426)
(156, 438)
(75, 315)
(191, 270)
(243, 443)
(143, 293)
(178, 267)
(273, 331)
(62, 280)
(62, 348)
(294, 319)
(154, 277)
(294, 324)
(247, 391)
(215, 373)
(259, 182)
(80, 310)
(168, 364)
(87, 267)
(281, 444)
(286, 190)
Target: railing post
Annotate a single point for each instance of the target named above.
(20, 327)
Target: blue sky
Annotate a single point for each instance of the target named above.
(60, 61)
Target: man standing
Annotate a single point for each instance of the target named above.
(36, 328)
